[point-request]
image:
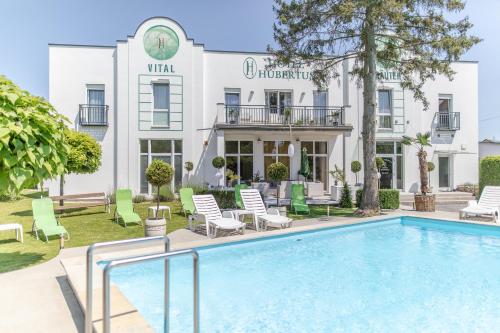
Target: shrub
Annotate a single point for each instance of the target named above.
(277, 172)
(225, 199)
(489, 172)
(355, 168)
(338, 175)
(188, 166)
(138, 198)
(218, 162)
(346, 199)
(166, 193)
(430, 166)
(388, 198)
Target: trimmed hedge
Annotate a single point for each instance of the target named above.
(489, 172)
(388, 199)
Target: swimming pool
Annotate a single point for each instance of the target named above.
(400, 275)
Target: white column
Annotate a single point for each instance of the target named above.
(221, 152)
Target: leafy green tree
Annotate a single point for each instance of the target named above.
(84, 155)
(32, 145)
(413, 37)
(277, 172)
(355, 168)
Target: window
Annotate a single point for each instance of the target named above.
(169, 151)
(161, 104)
(385, 109)
(320, 99)
(445, 103)
(317, 155)
(276, 101)
(445, 109)
(95, 96)
(276, 151)
(239, 159)
(232, 100)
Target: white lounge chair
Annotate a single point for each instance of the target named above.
(488, 204)
(208, 211)
(262, 216)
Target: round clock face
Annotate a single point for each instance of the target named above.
(161, 42)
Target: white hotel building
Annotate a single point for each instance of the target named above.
(158, 94)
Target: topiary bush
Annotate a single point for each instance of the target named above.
(219, 162)
(489, 172)
(346, 199)
(277, 172)
(355, 168)
(159, 173)
(379, 162)
(388, 198)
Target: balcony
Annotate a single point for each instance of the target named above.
(447, 121)
(262, 117)
(93, 115)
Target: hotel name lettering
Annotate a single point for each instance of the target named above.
(278, 71)
(161, 68)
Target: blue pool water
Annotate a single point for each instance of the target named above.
(399, 275)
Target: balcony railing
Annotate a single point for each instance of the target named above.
(307, 116)
(447, 121)
(93, 115)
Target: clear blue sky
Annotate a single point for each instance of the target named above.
(28, 26)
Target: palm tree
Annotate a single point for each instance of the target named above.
(420, 142)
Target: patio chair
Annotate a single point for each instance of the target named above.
(237, 194)
(186, 194)
(125, 208)
(45, 220)
(208, 211)
(488, 204)
(298, 202)
(263, 217)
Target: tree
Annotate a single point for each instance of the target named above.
(159, 173)
(189, 167)
(412, 37)
(346, 199)
(420, 142)
(32, 145)
(84, 155)
(430, 168)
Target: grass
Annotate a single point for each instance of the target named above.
(86, 226)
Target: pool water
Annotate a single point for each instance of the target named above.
(398, 275)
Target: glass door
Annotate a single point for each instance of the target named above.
(386, 173)
(276, 103)
(444, 172)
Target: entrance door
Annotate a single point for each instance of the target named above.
(444, 172)
(386, 173)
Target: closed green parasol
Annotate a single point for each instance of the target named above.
(305, 170)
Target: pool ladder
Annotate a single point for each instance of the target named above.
(95, 248)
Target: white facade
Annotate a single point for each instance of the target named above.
(196, 103)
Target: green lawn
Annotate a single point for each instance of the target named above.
(85, 226)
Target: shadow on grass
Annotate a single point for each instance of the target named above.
(35, 195)
(16, 260)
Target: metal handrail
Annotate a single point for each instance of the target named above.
(128, 261)
(90, 260)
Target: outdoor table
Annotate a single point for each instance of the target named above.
(16, 227)
(161, 211)
(321, 202)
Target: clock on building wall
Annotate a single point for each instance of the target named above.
(161, 42)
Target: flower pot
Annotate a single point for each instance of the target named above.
(155, 227)
(282, 210)
(425, 203)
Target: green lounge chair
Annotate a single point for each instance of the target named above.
(125, 208)
(186, 194)
(298, 202)
(237, 195)
(45, 220)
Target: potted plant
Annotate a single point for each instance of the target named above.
(158, 173)
(189, 167)
(338, 181)
(231, 177)
(259, 183)
(423, 202)
(356, 168)
(278, 172)
(430, 168)
(219, 162)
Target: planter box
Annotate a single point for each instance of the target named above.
(315, 189)
(262, 187)
(336, 192)
(425, 203)
(155, 227)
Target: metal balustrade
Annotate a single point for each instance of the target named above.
(447, 121)
(93, 115)
(305, 116)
